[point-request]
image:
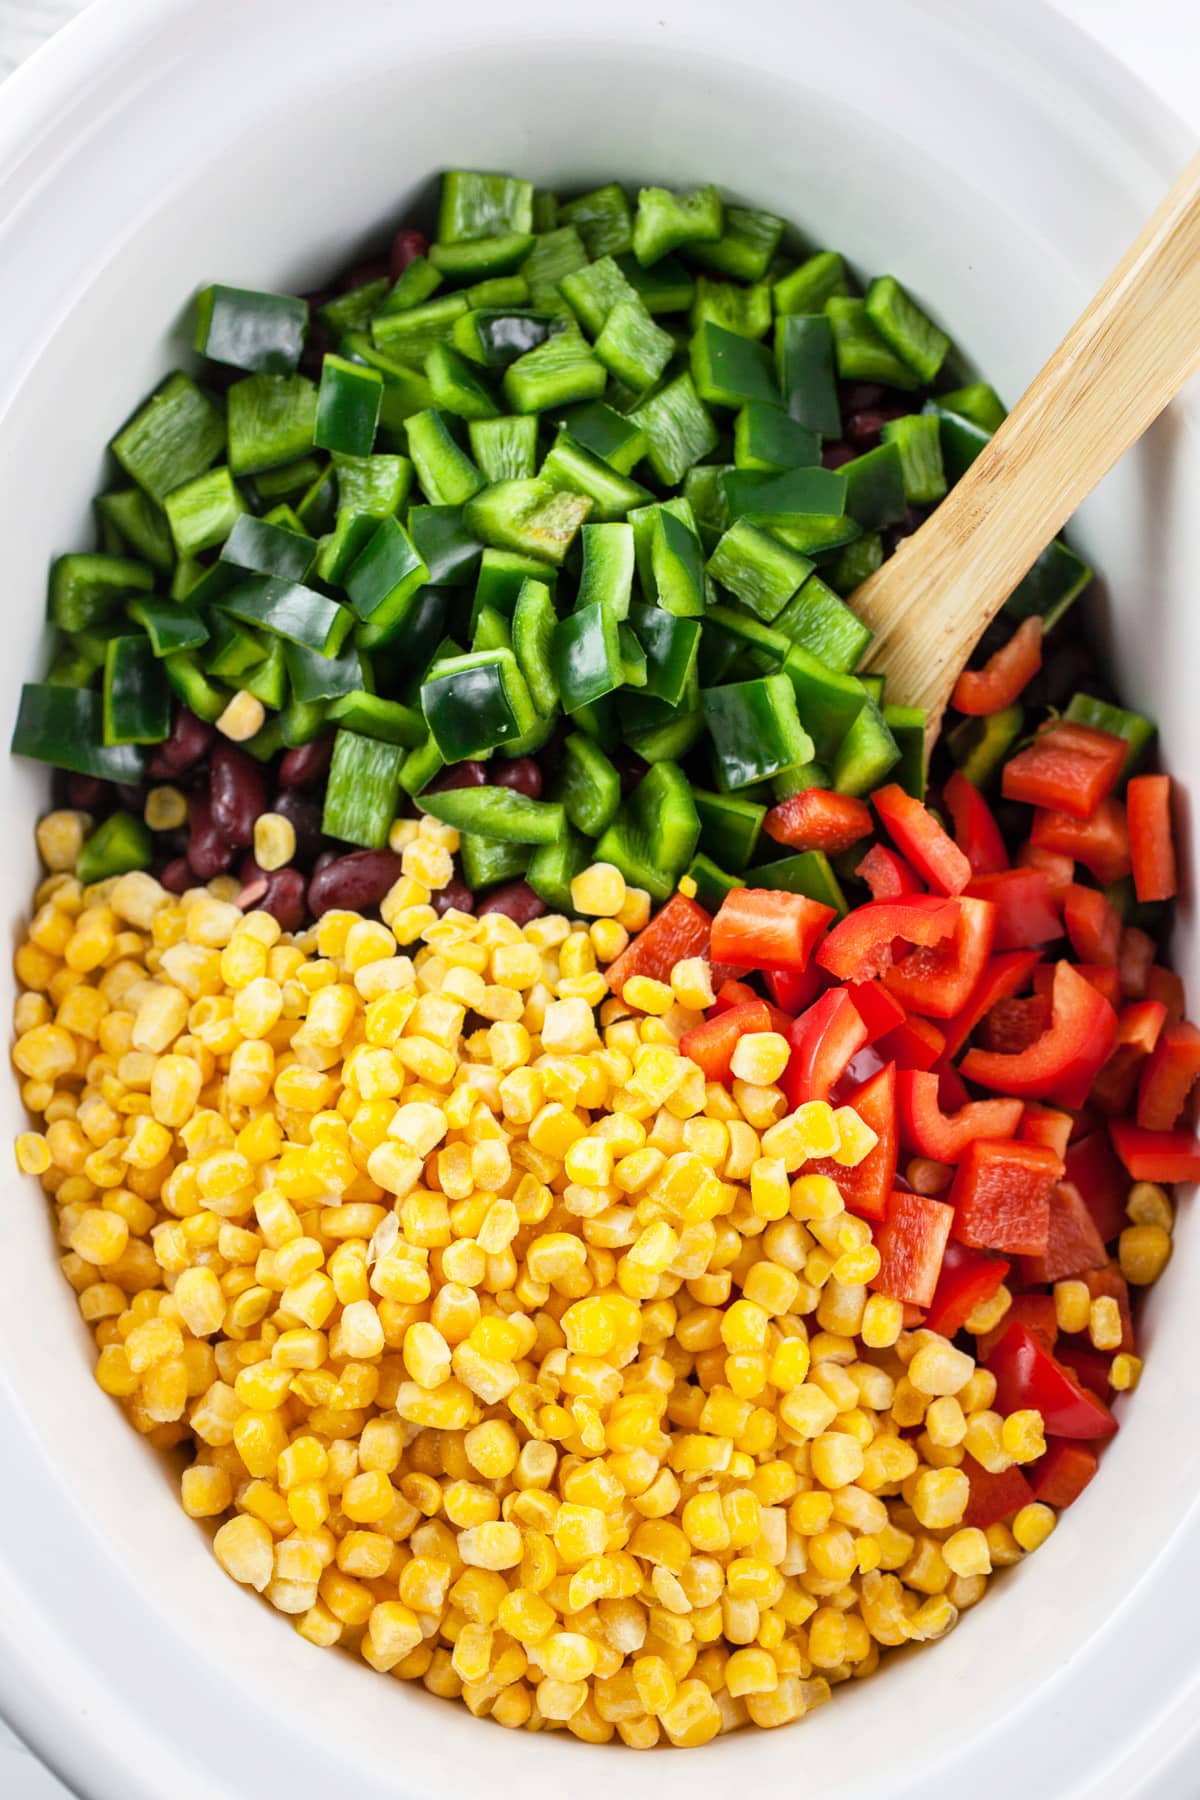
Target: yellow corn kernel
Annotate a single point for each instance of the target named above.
(760, 1057)
(1143, 1252)
(967, 1552)
(599, 891)
(245, 1550)
(1023, 1435)
(1147, 1204)
(1033, 1525)
(1072, 1305)
(242, 718)
(940, 1497)
(1104, 1318)
(938, 1368)
(1125, 1371)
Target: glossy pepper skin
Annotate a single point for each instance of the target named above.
(922, 842)
(767, 928)
(861, 945)
(1151, 844)
(1028, 1375)
(967, 1279)
(824, 1041)
(867, 1188)
(938, 980)
(927, 1131)
(1070, 768)
(1062, 1064)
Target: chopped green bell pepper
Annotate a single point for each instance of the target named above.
(755, 729)
(248, 330)
(476, 703)
(363, 789)
(654, 835)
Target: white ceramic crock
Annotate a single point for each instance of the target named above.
(996, 162)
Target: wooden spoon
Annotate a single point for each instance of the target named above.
(1121, 362)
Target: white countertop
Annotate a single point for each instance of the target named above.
(1157, 39)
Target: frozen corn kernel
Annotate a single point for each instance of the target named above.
(691, 983)
(242, 718)
(599, 891)
(760, 1057)
(1023, 1435)
(274, 841)
(1072, 1305)
(1105, 1328)
(1143, 1252)
(1033, 1525)
(1125, 1371)
(1147, 1204)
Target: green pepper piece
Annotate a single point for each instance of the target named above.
(829, 702)
(399, 657)
(494, 337)
(666, 287)
(407, 337)
(961, 439)
(980, 746)
(485, 861)
(502, 574)
(794, 493)
(809, 872)
(862, 353)
(267, 740)
(533, 623)
(804, 365)
(711, 883)
(445, 544)
(756, 730)
(362, 791)
(340, 548)
(248, 330)
(633, 658)
(676, 564)
(746, 311)
(569, 466)
(665, 220)
(730, 370)
(874, 685)
(203, 512)
(561, 369)
(918, 439)
(207, 699)
(444, 470)
(414, 285)
(745, 247)
(268, 681)
(498, 812)
(505, 449)
(120, 843)
(593, 291)
(266, 549)
(908, 331)
(589, 787)
(907, 726)
(383, 580)
(671, 645)
(168, 626)
(799, 780)
(290, 480)
(807, 288)
(1103, 715)
(71, 667)
(586, 655)
(674, 736)
(63, 726)
(492, 631)
(378, 485)
(289, 610)
(978, 402)
(679, 429)
(174, 437)
(875, 487)
(553, 867)
(136, 703)
(475, 206)
(301, 721)
(476, 703)
(498, 290)
(850, 566)
(271, 421)
(632, 347)
(232, 649)
(866, 753)
(456, 387)
(87, 588)
(654, 835)
(355, 310)
(817, 621)
(766, 439)
(348, 405)
(1056, 579)
(528, 516)
(749, 632)
(704, 491)
(762, 572)
(555, 253)
(139, 523)
(607, 434)
(602, 218)
(729, 827)
(315, 677)
(420, 766)
(608, 567)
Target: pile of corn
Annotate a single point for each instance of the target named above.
(505, 1352)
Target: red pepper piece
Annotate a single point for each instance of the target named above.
(1109, 1283)
(879, 1011)
(1004, 675)
(1135, 959)
(911, 1242)
(1151, 844)
(1166, 986)
(926, 1129)
(1073, 1245)
(887, 875)
(1035, 1311)
(733, 993)
(823, 1039)
(1104, 979)
(1156, 1155)
(679, 930)
(1026, 911)
(1013, 1025)
(1004, 975)
(1093, 925)
(763, 928)
(1059, 870)
(819, 820)
(939, 980)
(860, 946)
(975, 829)
(1066, 1059)
(1027, 1375)
(919, 838)
(866, 1189)
(953, 1093)
(1103, 1183)
(993, 1498)
(711, 1045)
(794, 989)
(1091, 1368)
(1168, 1077)
(914, 1045)
(1068, 768)
(967, 1279)
(1100, 843)
(1044, 1125)
(1062, 1474)
(1001, 1195)
(1139, 1028)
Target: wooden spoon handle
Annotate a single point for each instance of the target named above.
(1127, 355)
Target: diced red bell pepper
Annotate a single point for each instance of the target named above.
(1013, 1025)
(1151, 844)
(711, 1044)
(993, 1498)
(1135, 959)
(953, 1093)
(1166, 986)
(1059, 870)
(1045, 1125)
(866, 1189)
(1090, 1367)
(1069, 768)
(919, 838)
(1061, 1475)
(967, 1279)
(733, 993)
(1093, 925)
(1004, 976)
(1156, 1155)
(1005, 674)
(1095, 1172)
(794, 989)
(926, 1129)
(1001, 1195)
(679, 930)
(819, 820)
(914, 1045)
(1026, 912)
(1027, 1375)
(975, 829)
(1104, 979)
(1066, 1059)
(1139, 1028)
(1100, 843)
(1073, 1244)
(1035, 1311)
(938, 981)
(879, 1011)
(911, 1242)
(764, 928)
(1170, 1073)
(887, 875)
(824, 1040)
(860, 946)
(1109, 1283)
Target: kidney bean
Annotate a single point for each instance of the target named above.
(455, 894)
(630, 767)
(307, 764)
(356, 882)
(190, 739)
(303, 813)
(458, 775)
(856, 396)
(283, 897)
(251, 894)
(323, 861)
(87, 793)
(863, 428)
(209, 851)
(237, 793)
(834, 455)
(518, 772)
(516, 900)
(177, 877)
(131, 795)
(407, 245)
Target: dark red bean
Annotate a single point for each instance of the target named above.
(323, 861)
(177, 877)
(372, 268)
(237, 792)
(520, 773)
(407, 245)
(630, 767)
(190, 739)
(355, 883)
(863, 428)
(303, 813)
(834, 455)
(307, 764)
(516, 900)
(856, 396)
(283, 897)
(87, 792)
(459, 775)
(209, 851)
(251, 894)
(456, 893)
(131, 795)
